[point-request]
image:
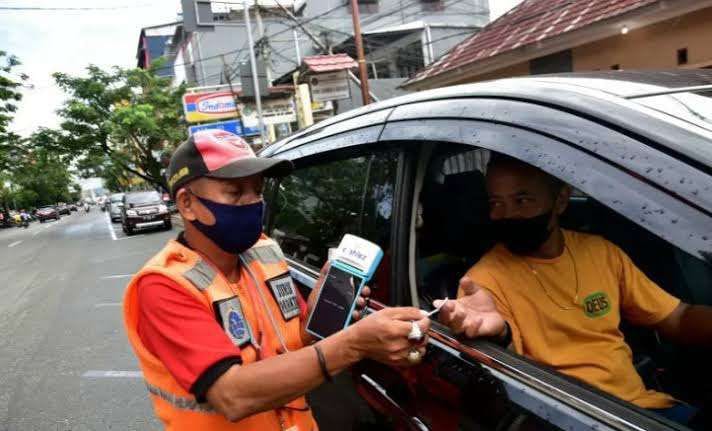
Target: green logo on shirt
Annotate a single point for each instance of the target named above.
(597, 305)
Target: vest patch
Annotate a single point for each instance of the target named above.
(597, 304)
(286, 296)
(231, 317)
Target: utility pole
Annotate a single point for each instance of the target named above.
(228, 78)
(320, 44)
(253, 65)
(363, 72)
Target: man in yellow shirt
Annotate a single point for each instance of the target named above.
(558, 296)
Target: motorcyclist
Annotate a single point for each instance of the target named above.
(86, 207)
(24, 218)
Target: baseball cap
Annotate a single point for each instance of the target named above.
(219, 154)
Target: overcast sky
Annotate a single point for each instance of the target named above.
(67, 41)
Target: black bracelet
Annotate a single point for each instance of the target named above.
(322, 363)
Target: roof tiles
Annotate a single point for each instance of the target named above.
(329, 63)
(530, 22)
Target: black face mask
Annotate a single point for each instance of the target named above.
(524, 235)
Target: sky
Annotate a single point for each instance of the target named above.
(67, 41)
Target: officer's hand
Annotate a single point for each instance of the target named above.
(361, 301)
(383, 335)
(474, 314)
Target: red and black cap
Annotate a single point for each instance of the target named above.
(219, 154)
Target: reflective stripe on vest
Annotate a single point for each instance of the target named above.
(179, 402)
(201, 275)
(266, 254)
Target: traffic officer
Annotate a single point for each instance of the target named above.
(214, 318)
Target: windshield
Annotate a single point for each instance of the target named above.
(116, 198)
(690, 107)
(47, 209)
(143, 198)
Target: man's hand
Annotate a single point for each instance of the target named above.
(474, 314)
(360, 301)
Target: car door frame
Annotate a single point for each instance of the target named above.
(418, 127)
(434, 124)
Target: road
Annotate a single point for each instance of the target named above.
(66, 363)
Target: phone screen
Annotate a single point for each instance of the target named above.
(334, 303)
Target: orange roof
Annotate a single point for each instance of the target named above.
(329, 63)
(530, 22)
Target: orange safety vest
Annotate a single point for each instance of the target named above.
(249, 317)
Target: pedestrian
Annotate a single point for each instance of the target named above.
(214, 318)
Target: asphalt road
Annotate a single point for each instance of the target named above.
(65, 360)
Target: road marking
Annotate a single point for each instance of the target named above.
(107, 304)
(108, 277)
(35, 234)
(14, 244)
(132, 236)
(110, 226)
(112, 374)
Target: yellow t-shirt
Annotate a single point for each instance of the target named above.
(584, 341)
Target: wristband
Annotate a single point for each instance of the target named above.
(322, 363)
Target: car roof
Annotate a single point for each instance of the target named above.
(601, 95)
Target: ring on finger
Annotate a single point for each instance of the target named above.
(414, 356)
(415, 333)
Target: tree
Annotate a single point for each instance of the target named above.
(120, 120)
(9, 96)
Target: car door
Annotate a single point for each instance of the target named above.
(477, 385)
(338, 191)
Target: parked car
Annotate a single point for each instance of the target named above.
(49, 212)
(408, 174)
(115, 203)
(73, 207)
(144, 210)
(63, 209)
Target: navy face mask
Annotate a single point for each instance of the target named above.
(236, 228)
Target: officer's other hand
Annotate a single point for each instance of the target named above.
(361, 303)
(474, 314)
(383, 335)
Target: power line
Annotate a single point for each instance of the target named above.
(42, 8)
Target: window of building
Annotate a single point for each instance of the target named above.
(364, 6)
(379, 70)
(682, 56)
(316, 205)
(409, 60)
(432, 5)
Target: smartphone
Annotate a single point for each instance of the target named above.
(351, 266)
(335, 303)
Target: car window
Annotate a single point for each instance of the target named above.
(116, 198)
(143, 198)
(316, 205)
(453, 232)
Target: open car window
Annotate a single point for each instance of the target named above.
(453, 232)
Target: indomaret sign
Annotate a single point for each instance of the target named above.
(209, 106)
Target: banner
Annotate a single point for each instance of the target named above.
(232, 126)
(274, 111)
(199, 107)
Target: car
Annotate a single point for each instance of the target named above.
(115, 203)
(49, 212)
(408, 174)
(73, 207)
(144, 210)
(63, 209)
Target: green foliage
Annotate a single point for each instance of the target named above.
(9, 97)
(116, 123)
(41, 178)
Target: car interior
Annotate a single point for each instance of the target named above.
(452, 234)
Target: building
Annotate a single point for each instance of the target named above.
(400, 37)
(152, 45)
(551, 36)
